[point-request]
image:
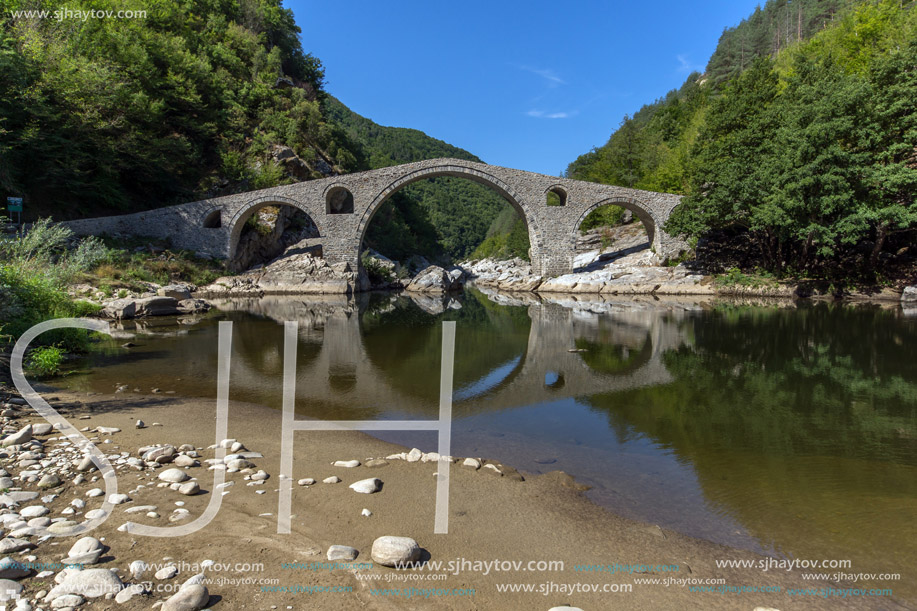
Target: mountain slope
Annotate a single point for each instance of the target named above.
(803, 150)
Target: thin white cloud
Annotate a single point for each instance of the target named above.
(540, 114)
(547, 74)
(686, 66)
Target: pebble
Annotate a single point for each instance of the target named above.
(308, 481)
(11, 545)
(240, 463)
(366, 513)
(12, 569)
(173, 475)
(117, 499)
(334, 479)
(342, 552)
(42, 429)
(260, 476)
(63, 527)
(367, 486)
(414, 455)
(86, 464)
(140, 424)
(179, 514)
(189, 488)
(190, 598)
(89, 583)
(474, 463)
(20, 437)
(138, 568)
(9, 590)
(346, 463)
(183, 460)
(85, 551)
(391, 551)
(376, 462)
(95, 492)
(166, 572)
(129, 592)
(34, 511)
(49, 481)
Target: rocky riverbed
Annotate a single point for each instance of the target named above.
(360, 506)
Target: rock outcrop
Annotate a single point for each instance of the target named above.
(435, 279)
(297, 271)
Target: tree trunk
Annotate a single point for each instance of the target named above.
(881, 234)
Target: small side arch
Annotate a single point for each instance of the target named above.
(629, 203)
(338, 199)
(243, 214)
(555, 195)
(213, 218)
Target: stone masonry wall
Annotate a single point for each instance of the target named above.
(552, 229)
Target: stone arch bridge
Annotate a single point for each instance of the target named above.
(343, 206)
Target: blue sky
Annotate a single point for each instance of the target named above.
(529, 85)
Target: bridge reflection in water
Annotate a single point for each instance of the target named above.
(385, 363)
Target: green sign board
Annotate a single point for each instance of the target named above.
(14, 204)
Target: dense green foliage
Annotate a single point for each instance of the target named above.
(46, 360)
(113, 114)
(430, 217)
(834, 144)
(506, 238)
(810, 152)
(767, 31)
(34, 270)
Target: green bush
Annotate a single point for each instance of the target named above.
(376, 271)
(46, 360)
(28, 297)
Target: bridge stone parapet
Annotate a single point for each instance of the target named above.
(342, 208)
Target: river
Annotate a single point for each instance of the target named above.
(788, 429)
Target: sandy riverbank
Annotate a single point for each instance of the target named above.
(492, 517)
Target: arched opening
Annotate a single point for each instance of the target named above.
(556, 196)
(615, 230)
(446, 214)
(270, 230)
(339, 200)
(554, 380)
(214, 219)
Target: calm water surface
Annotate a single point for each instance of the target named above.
(786, 430)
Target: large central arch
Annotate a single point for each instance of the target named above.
(455, 171)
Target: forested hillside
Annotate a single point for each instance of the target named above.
(801, 137)
(197, 99)
(113, 115)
